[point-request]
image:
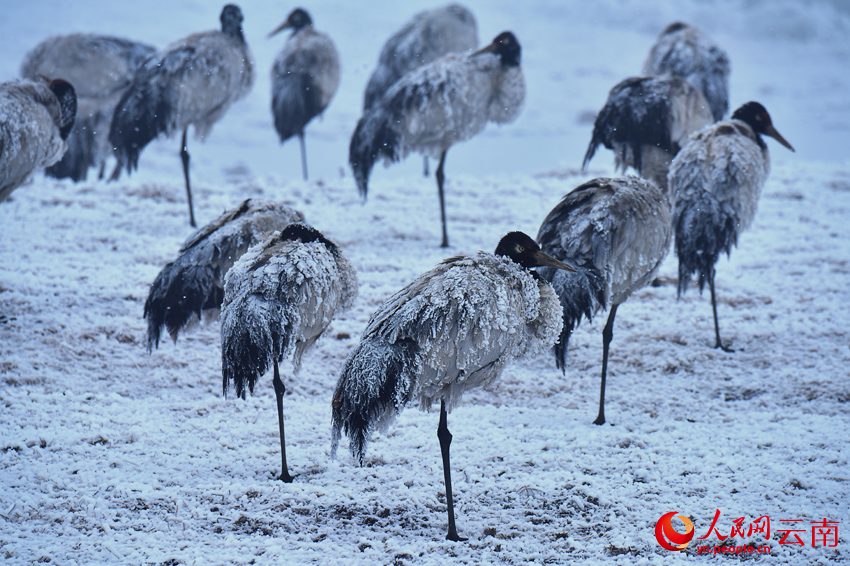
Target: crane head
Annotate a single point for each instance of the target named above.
(521, 249)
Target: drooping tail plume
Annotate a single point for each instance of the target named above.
(581, 293)
(375, 385)
(253, 332)
(179, 293)
(377, 135)
(703, 232)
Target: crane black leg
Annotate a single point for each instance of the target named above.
(445, 441)
(717, 342)
(607, 336)
(425, 166)
(440, 178)
(303, 154)
(184, 155)
(279, 390)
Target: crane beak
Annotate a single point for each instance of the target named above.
(543, 258)
(488, 49)
(280, 28)
(771, 131)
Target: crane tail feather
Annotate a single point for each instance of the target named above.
(253, 332)
(703, 232)
(178, 295)
(581, 293)
(143, 113)
(375, 385)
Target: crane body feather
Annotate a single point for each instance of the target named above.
(279, 298)
(688, 53)
(429, 35)
(454, 328)
(616, 232)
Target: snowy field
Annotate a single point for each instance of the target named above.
(109, 455)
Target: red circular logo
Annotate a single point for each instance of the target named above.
(664, 532)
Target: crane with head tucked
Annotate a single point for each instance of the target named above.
(278, 299)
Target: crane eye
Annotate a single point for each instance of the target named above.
(520, 249)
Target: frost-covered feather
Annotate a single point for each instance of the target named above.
(35, 120)
(192, 82)
(305, 77)
(437, 105)
(429, 35)
(646, 121)
(278, 299)
(194, 282)
(101, 69)
(688, 53)
(452, 329)
(616, 232)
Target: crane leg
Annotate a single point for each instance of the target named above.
(607, 336)
(303, 154)
(279, 390)
(718, 343)
(445, 441)
(184, 155)
(425, 166)
(440, 178)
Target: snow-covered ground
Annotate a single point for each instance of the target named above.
(111, 455)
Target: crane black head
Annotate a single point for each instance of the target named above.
(674, 27)
(297, 19)
(231, 21)
(67, 97)
(506, 47)
(305, 234)
(755, 115)
(521, 249)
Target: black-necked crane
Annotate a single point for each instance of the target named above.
(452, 329)
(646, 121)
(192, 82)
(428, 35)
(716, 180)
(192, 286)
(438, 105)
(615, 232)
(305, 76)
(687, 52)
(278, 299)
(35, 120)
(101, 68)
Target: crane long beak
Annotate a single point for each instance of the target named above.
(771, 131)
(279, 29)
(487, 49)
(543, 258)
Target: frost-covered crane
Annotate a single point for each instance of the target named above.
(428, 35)
(192, 82)
(452, 329)
(101, 68)
(278, 299)
(716, 180)
(616, 232)
(193, 284)
(688, 53)
(305, 76)
(438, 105)
(646, 121)
(35, 120)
